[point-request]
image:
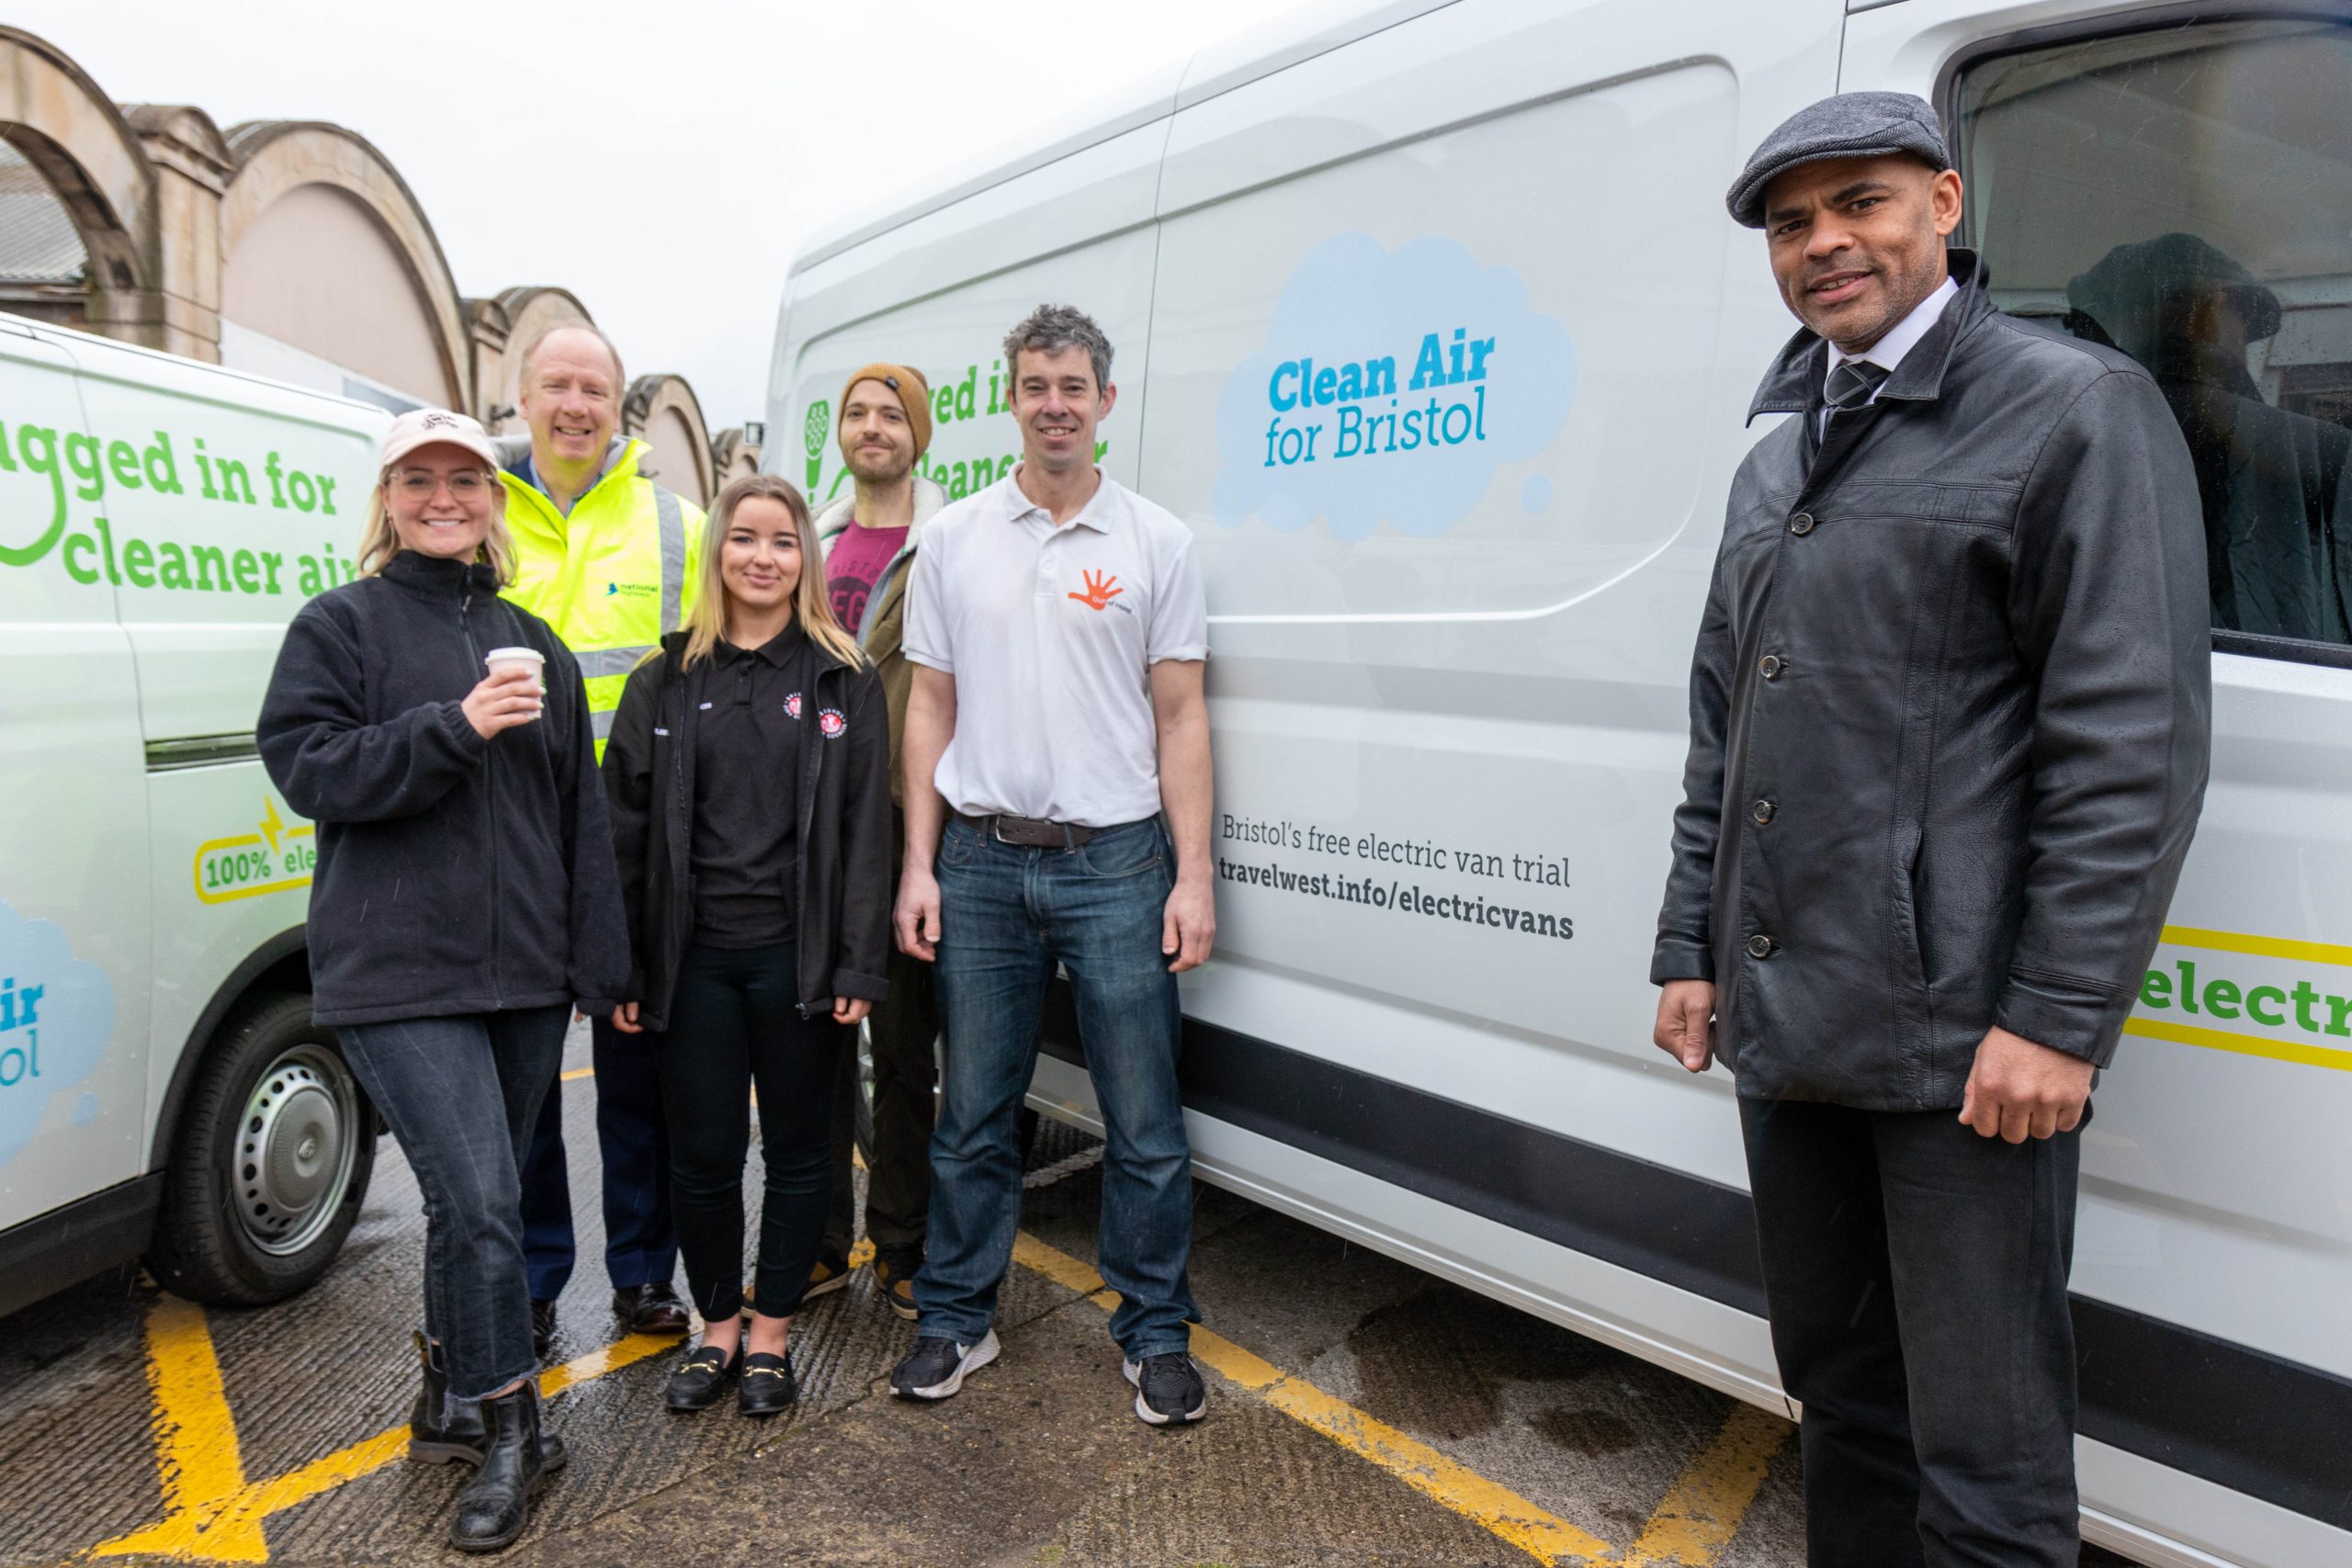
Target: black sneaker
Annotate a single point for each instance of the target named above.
(1168, 1391)
(895, 1269)
(828, 1274)
(935, 1369)
(701, 1379)
(767, 1384)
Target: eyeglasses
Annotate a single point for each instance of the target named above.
(465, 485)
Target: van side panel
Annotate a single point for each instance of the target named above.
(941, 292)
(1451, 350)
(74, 947)
(250, 499)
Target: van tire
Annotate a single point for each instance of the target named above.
(273, 1075)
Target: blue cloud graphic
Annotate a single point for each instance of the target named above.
(71, 1022)
(1353, 302)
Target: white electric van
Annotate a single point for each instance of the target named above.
(1429, 320)
(162, 1089)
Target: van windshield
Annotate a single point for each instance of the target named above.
(2185, 196)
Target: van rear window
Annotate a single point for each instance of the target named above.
(2184, 195)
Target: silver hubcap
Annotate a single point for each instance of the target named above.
(292, 1163)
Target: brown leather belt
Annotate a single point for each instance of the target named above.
(1029, 832)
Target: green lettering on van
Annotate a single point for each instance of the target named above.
(43, 461)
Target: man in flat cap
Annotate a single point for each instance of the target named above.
(1948, 732)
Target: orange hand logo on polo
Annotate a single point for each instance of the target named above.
(1100, 588)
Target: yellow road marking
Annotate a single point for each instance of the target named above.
(2242, 1044)
(1540, 1535)
(2259, 946)
(195, 1440)
(1703, 1507)
(578, 1073)
(214, 1515)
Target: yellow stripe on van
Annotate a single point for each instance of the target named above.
(2243, 1044)
(2260, 946)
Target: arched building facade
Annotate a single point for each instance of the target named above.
(290, 248)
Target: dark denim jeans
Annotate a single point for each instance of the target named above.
(460, 1094)
(1007, 915)
(1916, 1278)
(735, 1025)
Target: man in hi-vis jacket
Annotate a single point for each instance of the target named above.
(1948, 732)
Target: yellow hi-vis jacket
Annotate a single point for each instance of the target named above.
(613, 577)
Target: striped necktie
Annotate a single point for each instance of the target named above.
(1852, 384)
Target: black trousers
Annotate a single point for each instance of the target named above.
(1916, 1278)
(904, 1032)
(904, 1029)
(633, 1150)
(735, 1025)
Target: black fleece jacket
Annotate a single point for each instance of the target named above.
(845, 891)
(456, 875)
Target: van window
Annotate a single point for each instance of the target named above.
(2184, 195)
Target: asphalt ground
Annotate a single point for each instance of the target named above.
(1362, 1413)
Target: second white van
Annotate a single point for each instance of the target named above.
(1429, 321)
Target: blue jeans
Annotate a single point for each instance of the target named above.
(1007, 915)
(460, 1094)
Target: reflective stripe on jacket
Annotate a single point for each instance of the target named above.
(613, 577)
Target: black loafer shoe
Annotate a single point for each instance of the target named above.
(651, 1309)
(542, 1328)
(767, 1384)
(701, 1379)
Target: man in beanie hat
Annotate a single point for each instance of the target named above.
(1948, 736)
(870, 538)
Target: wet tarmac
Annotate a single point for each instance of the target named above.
(1362, 1413)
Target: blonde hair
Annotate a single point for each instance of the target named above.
(380, 541)
(811, 605)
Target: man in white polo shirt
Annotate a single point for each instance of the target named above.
(1058, 813)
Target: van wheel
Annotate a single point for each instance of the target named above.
(270, 1163)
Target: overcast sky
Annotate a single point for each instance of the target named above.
(662, 160)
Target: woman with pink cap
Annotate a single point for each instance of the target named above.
(465, 901)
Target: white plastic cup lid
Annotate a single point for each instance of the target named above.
(498, 655)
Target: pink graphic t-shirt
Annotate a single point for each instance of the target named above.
(856, 560)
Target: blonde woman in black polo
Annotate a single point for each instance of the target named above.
(748, 772)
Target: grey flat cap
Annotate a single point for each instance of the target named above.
(1852, 125)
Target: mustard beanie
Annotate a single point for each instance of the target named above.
(914, 396)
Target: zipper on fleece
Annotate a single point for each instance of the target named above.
(489, 792)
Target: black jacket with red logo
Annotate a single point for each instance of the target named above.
(844, 883)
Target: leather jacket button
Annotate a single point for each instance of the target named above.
(1761, 946)
(1800, 524)
(1770, 665)
(1762, 812)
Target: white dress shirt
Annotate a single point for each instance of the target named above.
(1899, 340)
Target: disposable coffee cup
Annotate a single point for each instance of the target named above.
(500, 660)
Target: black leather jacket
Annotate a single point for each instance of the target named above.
(1948, 716)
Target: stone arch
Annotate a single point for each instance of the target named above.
(87, 152)
(734, 455)
(294, 179)
(661, 410)
(524, 313)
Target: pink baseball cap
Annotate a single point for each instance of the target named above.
(436, 427)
